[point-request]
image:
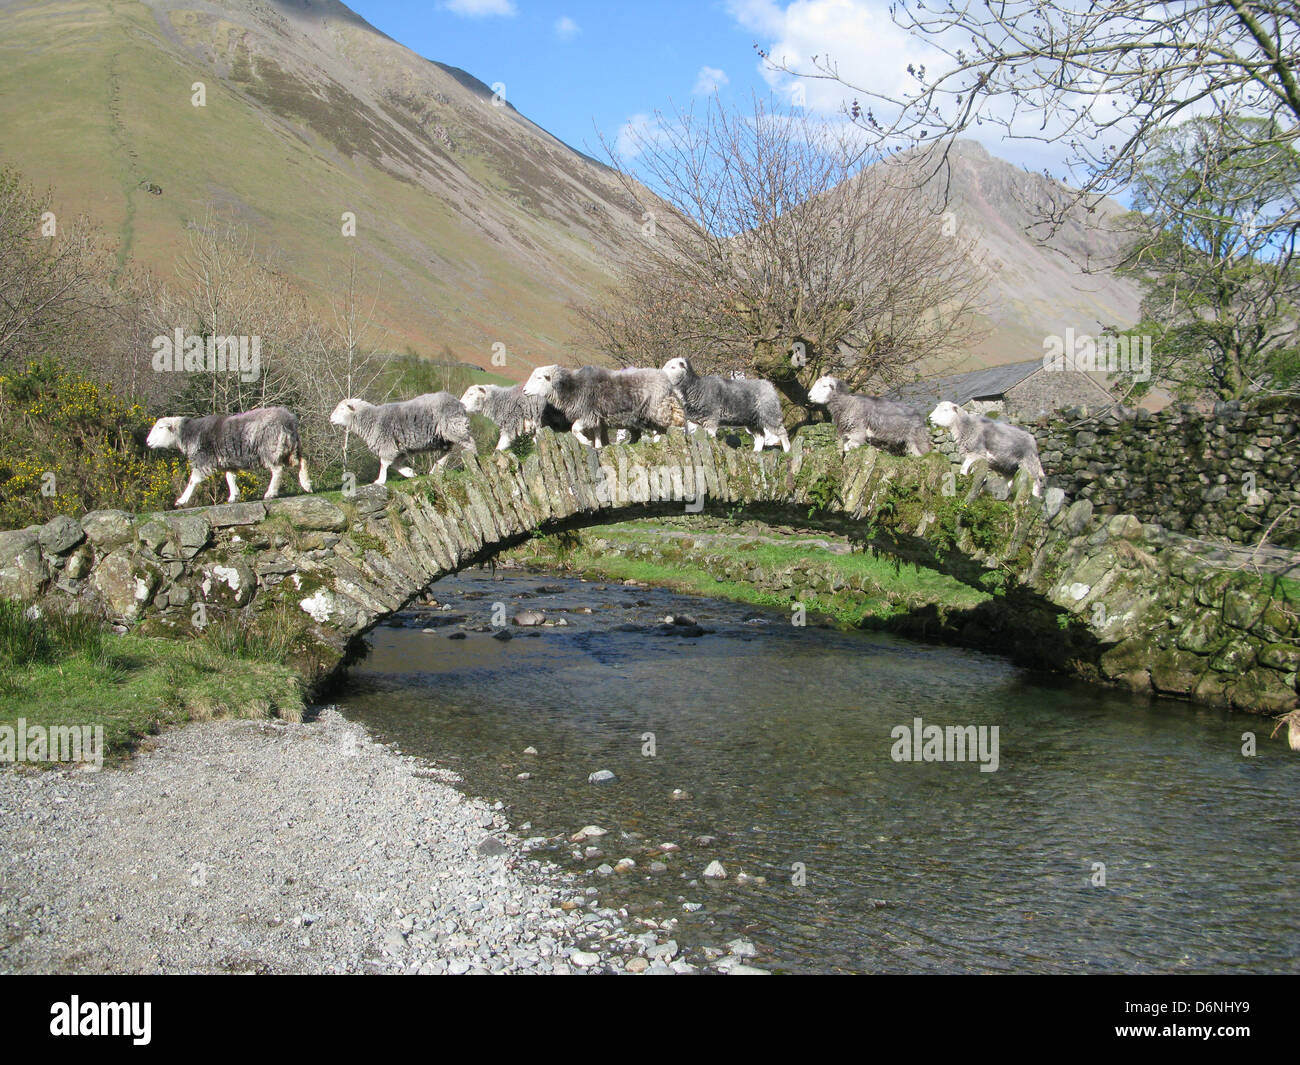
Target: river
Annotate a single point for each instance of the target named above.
(1115, 835)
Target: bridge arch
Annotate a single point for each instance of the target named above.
(1137, 605)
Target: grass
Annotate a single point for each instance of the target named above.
(873, 587)
(68, 670)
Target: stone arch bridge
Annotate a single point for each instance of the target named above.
(1104, 597)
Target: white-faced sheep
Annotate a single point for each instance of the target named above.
(435, 422)
(862, 420)
(514, 413)
(593, 398)
(715, 401)
(224, 443)
(1006, 447)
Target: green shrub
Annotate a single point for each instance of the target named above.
(71, 445)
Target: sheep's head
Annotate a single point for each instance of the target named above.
(945, 414)
(474, 398)
(541, 381)
(345, 412)
(677, 369)
(823, 388)
(166, 432)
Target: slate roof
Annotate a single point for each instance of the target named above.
(961, 388)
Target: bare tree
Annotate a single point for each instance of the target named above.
(341, 362)
(223, 288)
(55, 299)
(770, 246)
(1101, 78)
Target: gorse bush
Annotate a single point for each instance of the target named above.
(70, 445)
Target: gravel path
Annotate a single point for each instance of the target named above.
(241, 846)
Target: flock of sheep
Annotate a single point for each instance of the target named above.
(590, 403)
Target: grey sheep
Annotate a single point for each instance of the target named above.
(869, 420)
(433, 422)
(1007, 448)
(514, 413)
(266, 437)
(715, 401)
(595, 399)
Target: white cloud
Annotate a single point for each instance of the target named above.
(480, 8)
(868, 50)
(709, 80)
(857, 36)
(635, 134)
(566, 29)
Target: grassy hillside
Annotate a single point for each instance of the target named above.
(475, 227)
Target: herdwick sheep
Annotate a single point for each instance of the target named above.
(869, 420)
(1006, 447)
(715, 401)
(433, 422)
(593, 398)
(267, 437)
(514, 413)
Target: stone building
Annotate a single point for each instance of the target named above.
(1022, 391)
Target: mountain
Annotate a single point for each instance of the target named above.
(474, 225)
(1040, 283)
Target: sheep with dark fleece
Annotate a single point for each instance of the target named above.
(514, 413)
(266, 437)
(740, 402)
(870, 420)
(594, 399)
(435, 422)
(1007, 448)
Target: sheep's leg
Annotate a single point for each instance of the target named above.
(304, 482)
(505, 440)
(383, 470)
(273, 489)
(197, 477)
(783, 438)
(690, 426)
(577, 430)
(967, 463)
(851, 443)
(232, 486)
(407, 471)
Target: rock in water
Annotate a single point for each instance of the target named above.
(602, 776)
(715, 871)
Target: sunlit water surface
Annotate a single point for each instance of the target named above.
(781, 738)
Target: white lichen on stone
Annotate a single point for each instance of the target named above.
(228, 574)
(318, 606)
(141, 589)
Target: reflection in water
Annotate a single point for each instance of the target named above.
(781, 738)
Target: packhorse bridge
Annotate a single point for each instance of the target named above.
(1106, 597)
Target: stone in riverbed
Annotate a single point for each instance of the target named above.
(715, 871)
(584, 958)
(602, 776)
(491, 847)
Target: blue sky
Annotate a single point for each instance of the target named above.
(575, 67)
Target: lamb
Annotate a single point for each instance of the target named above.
(1006, 447)
(715, 401)
(867, 419)
(436, 421)
(267, 437)
(593, 398)
(514, 413)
